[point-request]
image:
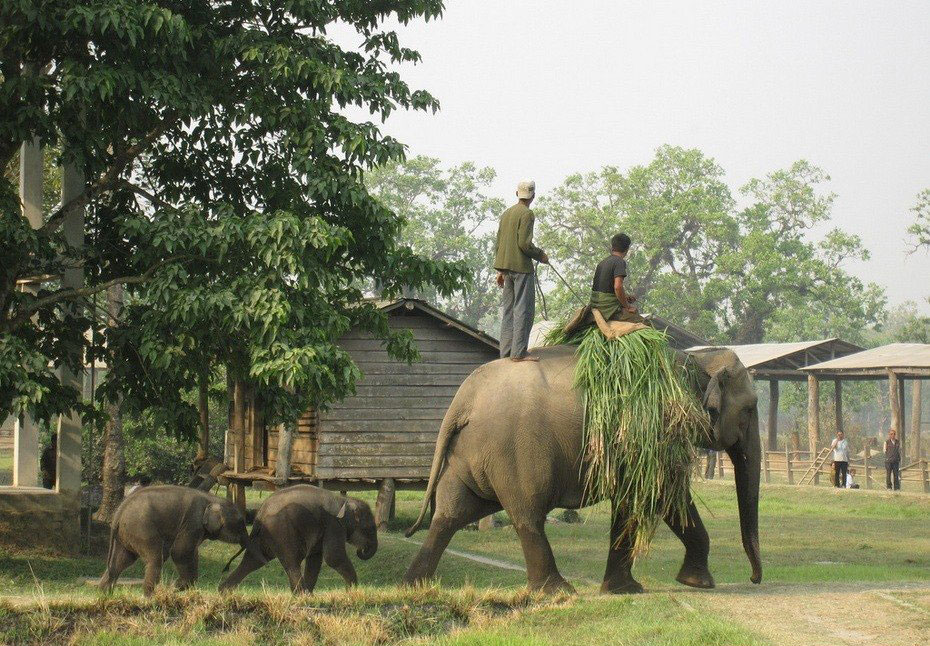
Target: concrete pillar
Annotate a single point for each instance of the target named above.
(69, 426)
(25, 431)
(773, 415)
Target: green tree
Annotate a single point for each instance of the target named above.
(224, 187)
(448, 217)
(920, 230)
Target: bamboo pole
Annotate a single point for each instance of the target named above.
(773, 415)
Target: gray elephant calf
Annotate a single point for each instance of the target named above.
(308, 524)
(156, 522)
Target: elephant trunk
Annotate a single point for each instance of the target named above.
(746, 456)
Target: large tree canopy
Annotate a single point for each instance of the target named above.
(224, 185)
(738, 275)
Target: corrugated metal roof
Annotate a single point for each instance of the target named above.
(895, 356)
(756, 354)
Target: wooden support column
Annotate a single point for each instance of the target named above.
(868, 468)
(282, 470)
(916, 414)
(25, 430)
(894, 397)
(239, 428)
(384, 504)
(838, 404)
(902, 433)
(773, 415)
(813, 419)
(69, 425)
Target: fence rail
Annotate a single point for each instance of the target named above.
(790, 466)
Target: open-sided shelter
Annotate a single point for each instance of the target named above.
(775, 362)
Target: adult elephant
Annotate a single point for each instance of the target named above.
(512, 440)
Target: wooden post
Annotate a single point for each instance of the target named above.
(838, 404)
(868, 468)
(239, 421)
(282, 468)
(813, 420)
(916, 414)
(773, 415)
(768, 475)
(788, 464)
(384, 505)
(902, 433)
(894, 397)
(720, 455)
(925, 475)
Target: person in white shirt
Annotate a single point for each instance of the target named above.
(840, 448)
(850, 482)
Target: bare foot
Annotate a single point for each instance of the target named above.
(526, 358)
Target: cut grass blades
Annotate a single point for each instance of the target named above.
(641, 424)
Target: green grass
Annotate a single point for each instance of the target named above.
(807, 535)
(6, 467)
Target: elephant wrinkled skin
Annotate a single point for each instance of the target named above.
(157, 522)
(512, 440)
(308, 524)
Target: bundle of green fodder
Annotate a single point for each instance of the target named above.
(642, 422)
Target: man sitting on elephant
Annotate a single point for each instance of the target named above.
(608, 294)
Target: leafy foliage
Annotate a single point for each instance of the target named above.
(448, 217)
(920, 230)
(736, 275)
(224, 186)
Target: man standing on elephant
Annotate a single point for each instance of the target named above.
(513, 260)
(608, 293)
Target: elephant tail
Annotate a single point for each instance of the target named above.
(454, 421)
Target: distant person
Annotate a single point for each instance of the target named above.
(513, 259)
(850, 480)
(893, 461)
(48, 463)
(608, 293)
(840, 448)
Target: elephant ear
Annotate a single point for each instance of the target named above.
(713, 394)
(213, 518)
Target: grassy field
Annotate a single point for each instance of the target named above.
(817, 543)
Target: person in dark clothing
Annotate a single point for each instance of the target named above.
(608, 293)
(893, 461)
(48, 463)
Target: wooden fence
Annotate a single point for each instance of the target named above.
(791, 466)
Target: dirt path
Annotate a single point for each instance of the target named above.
(858, 614)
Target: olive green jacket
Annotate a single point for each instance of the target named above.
(515, 249)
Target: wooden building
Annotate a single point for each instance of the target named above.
(384, 435)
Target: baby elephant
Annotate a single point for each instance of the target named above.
(157, 522)
(306, 523)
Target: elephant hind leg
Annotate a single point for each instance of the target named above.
(456, 507)
(541, 570)
(694, 570)
(246, 566)
(618, 577)
(121, 559)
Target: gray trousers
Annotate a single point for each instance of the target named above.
(518, 307)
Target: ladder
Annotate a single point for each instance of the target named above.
(814, 468)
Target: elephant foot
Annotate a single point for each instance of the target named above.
(553, 585)
(627, 586)
(696, 577)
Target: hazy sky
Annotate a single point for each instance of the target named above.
(542, 89)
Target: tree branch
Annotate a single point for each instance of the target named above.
(70, 294)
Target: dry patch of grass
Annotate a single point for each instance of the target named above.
(358, 616)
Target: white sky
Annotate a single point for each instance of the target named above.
(541, 89)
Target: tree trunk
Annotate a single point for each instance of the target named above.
(282, 468)
(203, 451)
(114, 460)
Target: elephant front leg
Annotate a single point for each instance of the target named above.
(337, 559)
(185, 558)
(312, 571)
(618, 577)
(152, 573)
(694, 571)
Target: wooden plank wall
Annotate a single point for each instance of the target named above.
(388, 430)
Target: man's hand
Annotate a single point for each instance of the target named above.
(500, 279)
(544, 259)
